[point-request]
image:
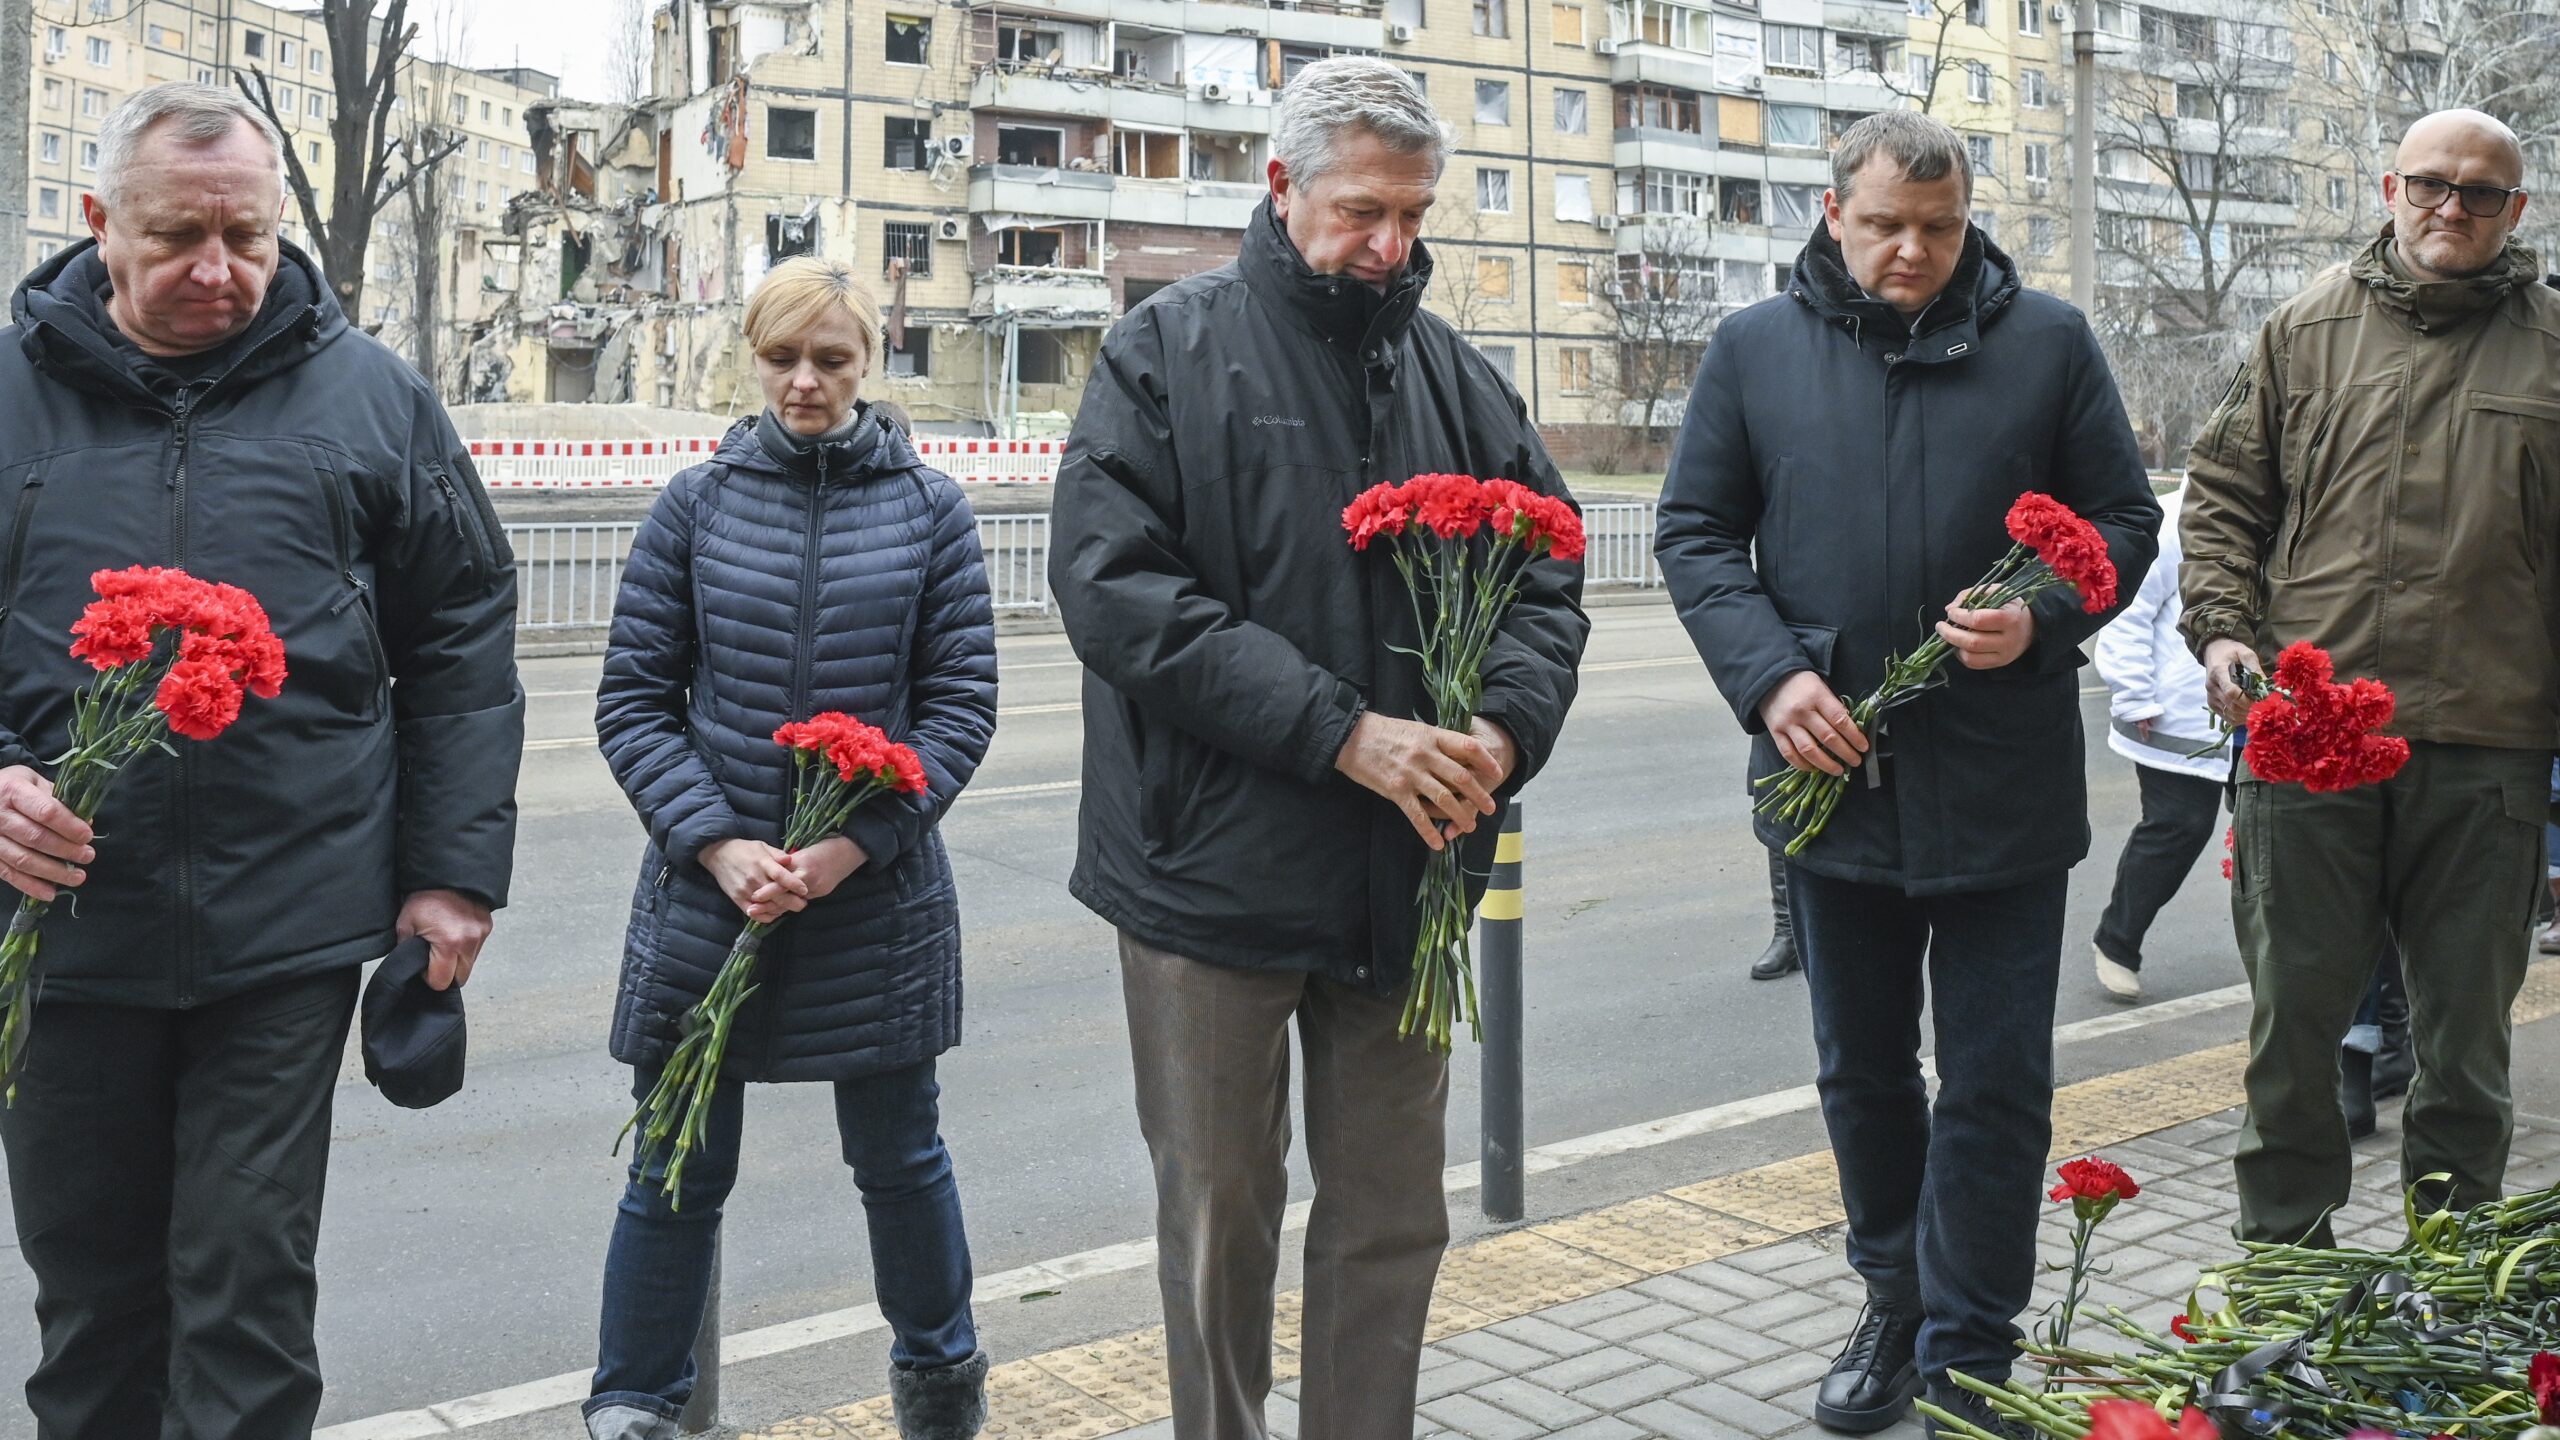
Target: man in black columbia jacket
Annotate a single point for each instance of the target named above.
(186, 392)
(1842, 475)
(1256, 803)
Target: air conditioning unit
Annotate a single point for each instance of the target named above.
(956, 146)
(1608, 45)
(1606, 223)
(1753, 83)
(951, 227)
(1213, 92)
(1400, 34)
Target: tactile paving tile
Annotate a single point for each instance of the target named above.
(1513, 1274)
(807, 1427)
(1125, 1372)
(870, 1420)
(2540, 998)
(1448, 1318)
(1658, 1234)
(1288, 1319)
(1789, 1196)
(2112, 1109)
(1024, 1401)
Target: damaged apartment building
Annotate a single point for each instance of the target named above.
(1010, 177)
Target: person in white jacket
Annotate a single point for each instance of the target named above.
(2158, 720)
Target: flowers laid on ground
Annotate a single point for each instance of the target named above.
(174, 654)
(2443, 1338)
(2306, 728)
(2093, 1188)
(2049, 545)
(837, 764)
(1462, 546)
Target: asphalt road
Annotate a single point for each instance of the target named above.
(462, 1245)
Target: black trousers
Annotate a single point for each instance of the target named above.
(1942, 1200)
(166, 1168)
(2178, 812)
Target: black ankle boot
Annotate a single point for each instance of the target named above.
(1870, 1386)
(948, 1402)
(1780, 959)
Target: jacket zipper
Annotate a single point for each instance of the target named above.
(182, 408)
(342, 529)
(777, 957)
(19, 523)
(466, 522)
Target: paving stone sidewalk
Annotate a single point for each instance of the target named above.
(1732, 1349)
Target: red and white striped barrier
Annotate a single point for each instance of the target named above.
(648, 464)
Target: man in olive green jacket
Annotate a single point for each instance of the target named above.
(2383, 480)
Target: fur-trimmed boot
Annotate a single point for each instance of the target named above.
(947, 1402)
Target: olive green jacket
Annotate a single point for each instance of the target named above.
(2383, 480)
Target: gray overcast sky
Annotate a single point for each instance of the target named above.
(565, 37)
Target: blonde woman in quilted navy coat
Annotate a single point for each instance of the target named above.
(814, 563)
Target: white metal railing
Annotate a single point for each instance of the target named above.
(567, 574)
(648, 464)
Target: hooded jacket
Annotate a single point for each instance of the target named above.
(1840, 475)
(772, 582)
(314, 469)
(2382, 480)
(1231, 636)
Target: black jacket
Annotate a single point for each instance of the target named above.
(1230, 634)
(1836, 481)
(770, 583)
(317, 471)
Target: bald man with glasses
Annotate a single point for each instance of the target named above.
(2383, 480)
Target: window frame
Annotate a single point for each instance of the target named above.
(773, 133)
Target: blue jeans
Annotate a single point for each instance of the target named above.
(657, 1271)
(1942, 1204)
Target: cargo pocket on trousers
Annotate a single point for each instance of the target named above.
(2252, 839)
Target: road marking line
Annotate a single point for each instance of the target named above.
(567, 1389)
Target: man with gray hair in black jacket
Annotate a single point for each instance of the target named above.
(1842, 475)
(1258, 803)
(185, 391)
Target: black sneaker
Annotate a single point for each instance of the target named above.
(1870, 1386)
(1969, 1406)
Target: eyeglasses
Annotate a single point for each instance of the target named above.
(2427, 192)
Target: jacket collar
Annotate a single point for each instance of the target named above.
(1984, 283)
(863, 447)
(61, 311)
(2440, 304)
(1335, 308)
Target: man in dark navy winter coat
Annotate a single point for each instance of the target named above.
(187, 392)
(1257, 798)
(1842, 475)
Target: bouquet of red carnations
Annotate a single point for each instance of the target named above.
(174, 653)
(2049, 545)
(1460, 590)
(2304, 726)
(837, 764)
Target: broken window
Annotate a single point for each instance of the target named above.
(1294, 58)
(1036, 248)
(913, 360)
(908, 145)
(1030, 145)
(910, 38)
(1493, 102)
(789, 235)
(790, 134)
(1039, 357)
(909, 242)
(1146, 155)
(1134, 293)
(1741, 202)
(1024, 44)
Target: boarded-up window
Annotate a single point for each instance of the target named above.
(1146, 155)
(1573, 369)
(1573, 282)
(1738, 120)
(1493, 278)
(1568, 24)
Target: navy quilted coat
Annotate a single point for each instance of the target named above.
(766, 588)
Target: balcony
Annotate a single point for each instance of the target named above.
(1091, 95)
(1646, 148)
(1867, 17)
(1641, 62)
(1043, 296)
(1040, 190)
(1201, 204)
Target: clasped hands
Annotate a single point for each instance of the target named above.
(767, 883)
(1443, 781)
(1812, 725)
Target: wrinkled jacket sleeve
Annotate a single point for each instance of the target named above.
(1710, 510)
(1530, 670)
(648, 673)
(448, 609)
(951, 706)
(2127, 650)
(2235, 497)
(1136, 610)
(2096, 469)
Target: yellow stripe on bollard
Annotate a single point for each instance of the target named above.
(1508, 846)
(1500, 905)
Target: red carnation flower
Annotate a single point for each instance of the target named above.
(2069, 546)
(1378, 510)
(2133, 1420)
(2093, 1186)
(113, 632)
(199, 696)
(2543, 1376)
(1453, 507)
(2178, 1326)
